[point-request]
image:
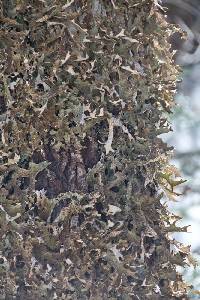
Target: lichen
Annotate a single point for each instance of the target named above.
(85, 89)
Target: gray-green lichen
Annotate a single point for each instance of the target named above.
(85, 87)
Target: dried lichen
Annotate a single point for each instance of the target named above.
(85, 87)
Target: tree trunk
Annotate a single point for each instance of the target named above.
(85, 87)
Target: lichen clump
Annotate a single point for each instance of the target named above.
(84, 91)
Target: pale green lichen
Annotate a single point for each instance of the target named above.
(85, 88)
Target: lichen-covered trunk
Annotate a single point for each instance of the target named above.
(85, 87)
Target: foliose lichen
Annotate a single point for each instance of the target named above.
(85, 88)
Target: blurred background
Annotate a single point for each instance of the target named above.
(186, 126)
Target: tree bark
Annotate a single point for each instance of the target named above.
(85, 87)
